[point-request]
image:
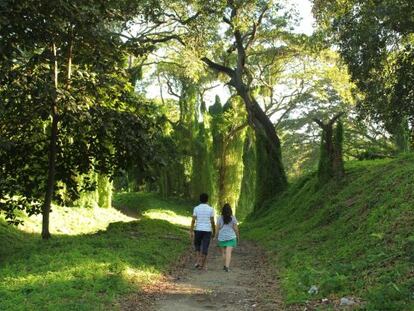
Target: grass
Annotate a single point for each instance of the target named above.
(353, 238)
(102, 256)
(175, 211)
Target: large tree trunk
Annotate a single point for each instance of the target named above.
(270, 177)
(52, 153)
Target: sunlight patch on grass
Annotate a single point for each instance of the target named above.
(169, 216)
(140, 276)
(75, 220)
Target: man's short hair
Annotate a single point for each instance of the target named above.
(204, 198)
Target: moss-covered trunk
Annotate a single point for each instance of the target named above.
(401, 134)
(247, 195)
(271, 177)
(331, 164)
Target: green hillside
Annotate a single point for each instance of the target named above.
(353, 239)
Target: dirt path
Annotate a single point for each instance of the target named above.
(249, 285)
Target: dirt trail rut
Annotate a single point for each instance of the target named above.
(248, 286)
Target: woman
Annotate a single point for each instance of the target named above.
(228, 234)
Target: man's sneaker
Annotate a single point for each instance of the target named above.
(226, 269)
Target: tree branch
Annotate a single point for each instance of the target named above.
(331, 121)
(336, 117)
(233, 132)
(256, 25)
(218, 67)
(319, 122)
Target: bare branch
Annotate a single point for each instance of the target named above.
(256, 25)
(163, 39)
(170, 88)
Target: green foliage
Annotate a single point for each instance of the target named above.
(185, 143)
(206, 147)
(202, 178)
(104, 190)
(228, 128)
(68, 70)
(64, 82)
(92, 270)
(401, 135)
(236, 47)
(247, 194)
(326, 89)
(375, 40)
(352, 238)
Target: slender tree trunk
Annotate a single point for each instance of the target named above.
(52, 152)
(50, 186)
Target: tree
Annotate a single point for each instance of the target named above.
(248, 24)
(67, 107)
(375, 41)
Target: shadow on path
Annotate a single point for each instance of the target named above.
(249, 285)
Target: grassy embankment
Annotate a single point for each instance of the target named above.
(353, 239)
(95, 256)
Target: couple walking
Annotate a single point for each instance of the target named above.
(203, 229)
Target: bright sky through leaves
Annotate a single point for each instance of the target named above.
(303, 7)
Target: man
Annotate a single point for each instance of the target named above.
(203, 218)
